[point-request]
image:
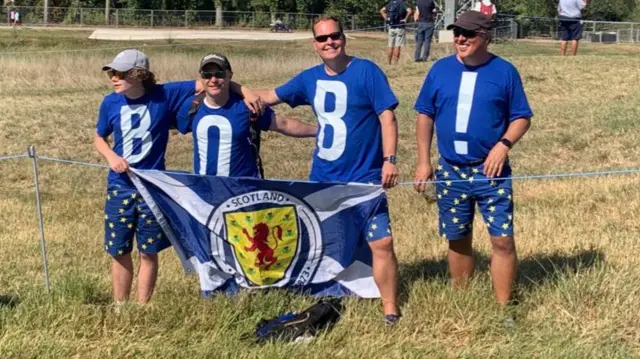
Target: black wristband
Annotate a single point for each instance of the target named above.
(507, 143)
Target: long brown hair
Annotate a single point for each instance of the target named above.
(147, 77)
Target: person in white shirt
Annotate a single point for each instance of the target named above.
(570, 25)
(486, 7)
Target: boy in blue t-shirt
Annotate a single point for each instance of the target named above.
(221, 127)
(477, 102)
(357, 139)
(139, 114)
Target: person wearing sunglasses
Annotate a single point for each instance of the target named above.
(356, 142)
(138, 114)
(222, 125)
(477, 103)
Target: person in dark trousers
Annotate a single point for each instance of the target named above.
(423, 16)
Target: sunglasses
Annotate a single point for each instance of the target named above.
(119, 74)
(335, 36)
(207, 75)
(469, 34)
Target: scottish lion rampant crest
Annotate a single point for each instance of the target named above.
(265, 241)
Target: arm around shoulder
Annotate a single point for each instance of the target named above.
(293, 127)
(269, 97)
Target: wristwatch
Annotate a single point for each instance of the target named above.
(392, 159)
(507, 143)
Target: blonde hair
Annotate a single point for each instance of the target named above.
(326, 18)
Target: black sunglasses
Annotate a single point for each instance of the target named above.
(469, 34)
(207, 75)
(335, 36)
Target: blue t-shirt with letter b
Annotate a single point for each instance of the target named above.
(141, 126)
(472, 106)
(347, 106)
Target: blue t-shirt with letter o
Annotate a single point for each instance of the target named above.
(141, 126)
(221, 140)
(472, 106)
(347, 106)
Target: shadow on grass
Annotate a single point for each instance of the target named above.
(543, 268)
(533, 271)
(81, 289)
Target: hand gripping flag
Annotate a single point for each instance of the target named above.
(251, 233)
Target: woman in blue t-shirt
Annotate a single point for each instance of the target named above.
(139, 114)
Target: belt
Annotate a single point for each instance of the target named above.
(461, 164)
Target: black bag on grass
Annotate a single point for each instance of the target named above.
(291, 326)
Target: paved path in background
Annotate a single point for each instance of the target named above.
(165, 34)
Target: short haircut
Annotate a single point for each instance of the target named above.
(326, 18)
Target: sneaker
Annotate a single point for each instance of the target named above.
(391, 319)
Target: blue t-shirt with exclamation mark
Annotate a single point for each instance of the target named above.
(472, 106)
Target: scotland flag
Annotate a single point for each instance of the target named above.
(250, 233)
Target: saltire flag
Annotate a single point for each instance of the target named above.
(250, 233)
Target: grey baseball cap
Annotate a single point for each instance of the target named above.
(128, 59)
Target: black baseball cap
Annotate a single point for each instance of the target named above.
(215, 58)
(473, 21)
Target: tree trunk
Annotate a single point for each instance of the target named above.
(218, 13)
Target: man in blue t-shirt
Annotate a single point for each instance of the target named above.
(477, 102)
(138, 114)
(223, 144)
(356, 142)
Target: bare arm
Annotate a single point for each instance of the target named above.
(389, 146)
(200, 85)
(416, 15)
(495, 160)
(517, 129)
(424, 137)
(293, 127)
(383, 12)
(409, 12)
(268, 96)
(116, 163)
(251, 98)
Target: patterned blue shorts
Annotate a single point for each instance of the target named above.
(463, 187)
(126, 215)
(379, 226)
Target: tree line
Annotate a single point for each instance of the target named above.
(610, 10)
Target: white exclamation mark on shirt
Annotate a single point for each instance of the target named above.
(465, 101)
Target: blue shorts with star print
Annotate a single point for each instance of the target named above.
(463, 187)
(379, 226)
(126, 215)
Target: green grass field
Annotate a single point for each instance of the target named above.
(578, 283)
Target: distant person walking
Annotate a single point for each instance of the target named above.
(11, 17)
(16, 18)
(570, 25)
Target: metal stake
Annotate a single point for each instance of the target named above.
(32, 155)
